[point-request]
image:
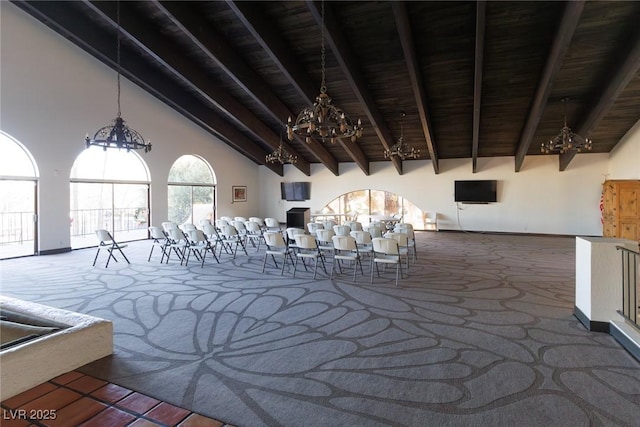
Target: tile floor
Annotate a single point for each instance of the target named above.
(76, 399)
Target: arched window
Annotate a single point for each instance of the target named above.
(191, 190)
(18, 189)
(110, 190)
(367, 205)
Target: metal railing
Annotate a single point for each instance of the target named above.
(85, 222)
(16, 227)
(630, 284)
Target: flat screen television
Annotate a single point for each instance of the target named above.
(295, 191)
(479, 191)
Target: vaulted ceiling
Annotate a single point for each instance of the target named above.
(475, 79)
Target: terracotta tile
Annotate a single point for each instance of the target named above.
(53, 400)
(141, 422)
(111, 393)
(197, 420)
(86, 384)
(112, 417)
(27, 396)
(138, 403)
(67, 378)
(75, 413)
(167, 414)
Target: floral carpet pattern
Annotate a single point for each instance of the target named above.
(480, 332)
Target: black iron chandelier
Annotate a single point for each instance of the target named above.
(118, 134)
(280, 155)
(401, 149)
(322, 120)
(566, 140)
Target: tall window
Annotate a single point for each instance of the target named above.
(191, 191)
(370, 204)
(110, 190)
(18, 189)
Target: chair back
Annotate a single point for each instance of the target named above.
(313, 227)
(354, 225)
(157, 233)
(375, 229)
(293, 231)
(197, 236)
(186, 227)
(168, 225)
(345, 243)
(402, 238)
(328, 224)
(306, 241)
(403, 225)
(240, 227)
(204, 221)
(209, 229)
(229, 231)
(362, 237)
(274, 240)
(253, 227)
(221, 223)
(226, 218)
(385, 245)
(341, 230)
(240, 218)
(324, 236)
(175, 234)
(259, 220)
(104, 237)
(271, 223)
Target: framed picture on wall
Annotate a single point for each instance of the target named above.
(239, 193)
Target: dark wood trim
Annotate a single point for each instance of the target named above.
(481, 8)
(54, 251)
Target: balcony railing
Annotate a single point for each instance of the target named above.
(630, 284)
(124, 223)
(16, 227)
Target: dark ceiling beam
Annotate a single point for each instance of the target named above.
(566, 29)
(168, 54)
(624, 72)
(481, 13)
(74, 26)
(415, 77)
(349, 66)
(276, 47)
(200, 32)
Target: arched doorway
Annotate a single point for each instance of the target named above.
(18, 199)
(110, 190)
(191, 191)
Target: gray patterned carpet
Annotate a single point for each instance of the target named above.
(481, 333)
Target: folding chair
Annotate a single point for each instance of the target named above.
(107, 242)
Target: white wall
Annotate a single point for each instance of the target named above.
(539, 199)
(52, 93)
(624, 160)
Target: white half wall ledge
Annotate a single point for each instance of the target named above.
(34, 362)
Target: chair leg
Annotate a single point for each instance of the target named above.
(151, 253)
(333, 267)
(295, 265)
(96, 258)
(124, 256)
(284, 262)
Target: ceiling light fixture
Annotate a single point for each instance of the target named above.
(280, 155)
(401, 149)
(118, 134)
(322, 119)
(566, 140)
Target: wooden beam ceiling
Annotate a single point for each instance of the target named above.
(481, 14)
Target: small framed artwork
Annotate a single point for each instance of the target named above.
(239, 193)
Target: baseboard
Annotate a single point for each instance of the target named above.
(55, 251)
(593, 326)
(624, 335)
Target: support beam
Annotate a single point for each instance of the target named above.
(561, 43)
(481, 8)
(349, 65)
(200, 33)
(624, 72)
(275, 46)
(415, 77)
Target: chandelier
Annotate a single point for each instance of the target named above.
(280, 155)
(118, 134)
(401, 149)
(322, 119)
(566, 140)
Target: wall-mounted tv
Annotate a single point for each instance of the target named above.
(295, 191)
(479, 191)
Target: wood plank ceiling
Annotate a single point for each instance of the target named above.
(475, 79)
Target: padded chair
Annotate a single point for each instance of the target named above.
(159, 239)
(308, 249)
(106, 241)
(341, 230)
(276, 246)
(387, 252)
(346, 249)
(272, 224)
(230, 237)
(254, 234)
(199, 244)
